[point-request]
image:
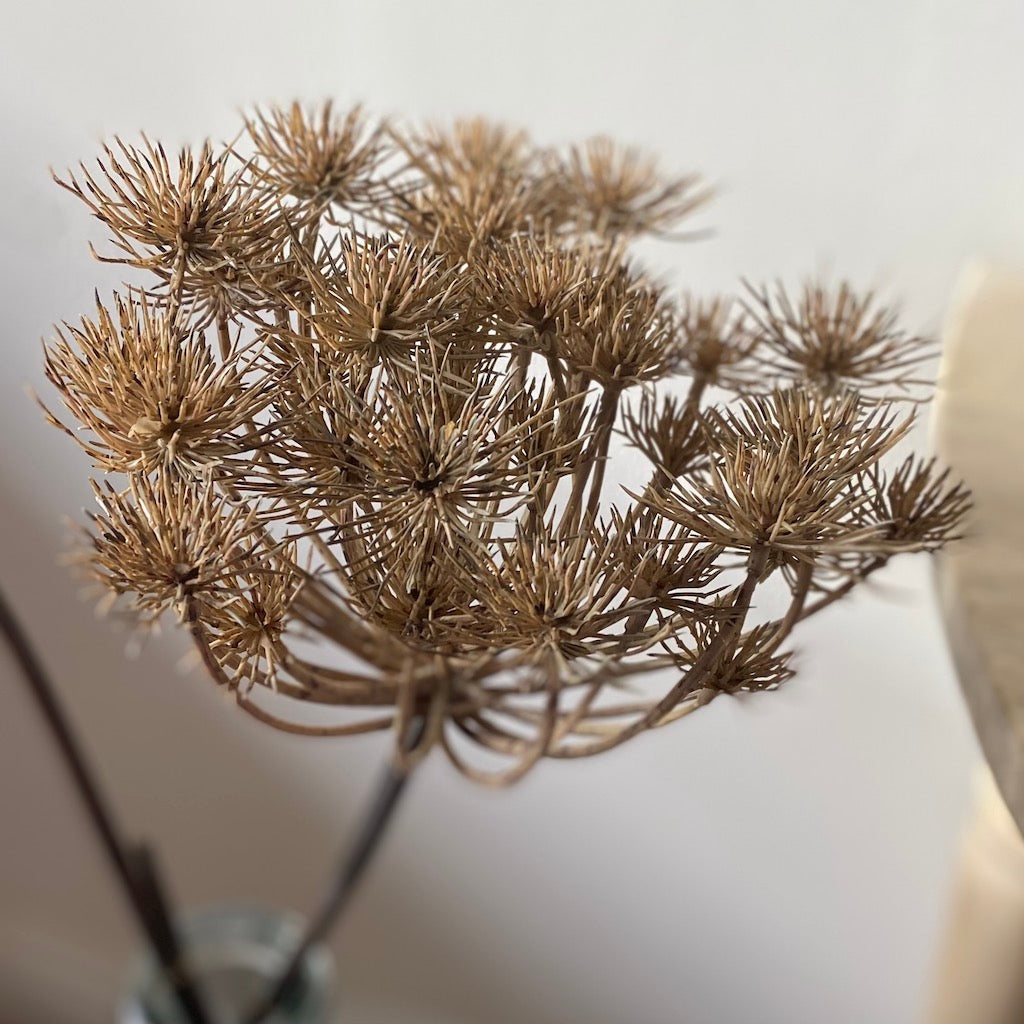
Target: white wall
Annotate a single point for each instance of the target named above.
(778, 859)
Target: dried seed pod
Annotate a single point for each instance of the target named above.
(535, 285)
(469, 186)
(376, 298)
(669, 432)
(153, 397)
(752, 663)
(785, 474)
(626, 335)
(246, 630)
(617, 191)
(318, 158)
(200, 225)
(163, 543)
(918, 507)
(716, 345)
(833, 339)
(557, 593)
(664, 564)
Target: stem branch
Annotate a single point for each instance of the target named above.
(134, 866)
(352, 867)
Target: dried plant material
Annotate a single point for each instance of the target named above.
(469, 187)
(200, 225)
(833, 339)
(669, 432)
(474, 156)
(566, 595)
(626, 335)
(667, 571)
(615, 191)
(164, 542)
(319, 159)
(151, 397)
(534, 285)
(752, 665)
(396, 447)
(785, 475)
(377, 296)
(716, 344)
(918, 506)
(247, 628)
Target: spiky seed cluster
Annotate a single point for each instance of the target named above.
(752, 665)
(786, 475)
(319, 159)
(834, 339)
(200, 224)
(535, 286)
(248, 626)
(377, 296)
(151, 396)
(627, 336)
(167, 544)
(716, 344)
(668, 431)
(917, 504)
(469, 187)
(616, 191)
(367, 396)
(565, 595)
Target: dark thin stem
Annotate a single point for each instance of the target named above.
(223, 336)
(136, 871)
(798, 599)
(840, 592)
(352, 867)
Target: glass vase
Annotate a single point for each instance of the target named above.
(235, 955)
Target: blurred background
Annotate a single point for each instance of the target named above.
(783, 858)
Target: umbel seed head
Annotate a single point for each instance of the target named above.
(355, 415)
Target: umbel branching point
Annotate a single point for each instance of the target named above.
(354, 415)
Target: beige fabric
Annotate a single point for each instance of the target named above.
(980, 974)
(979, 431)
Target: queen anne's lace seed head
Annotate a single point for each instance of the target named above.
(152, 397)
(365, 399)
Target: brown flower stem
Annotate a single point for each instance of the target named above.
(798, 599)
(176, 284)
(557, 376)
(697, 388)
(134, 867)
(298, 729)
(594, 459)
(840, 592)
(367, 842)
(522, 367)
(704, 661)
(223, 336)
(605, 422)
(218, 674)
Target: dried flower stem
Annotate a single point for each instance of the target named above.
(380, 813)
(134, 866)
(843, 589)
(740, 606)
